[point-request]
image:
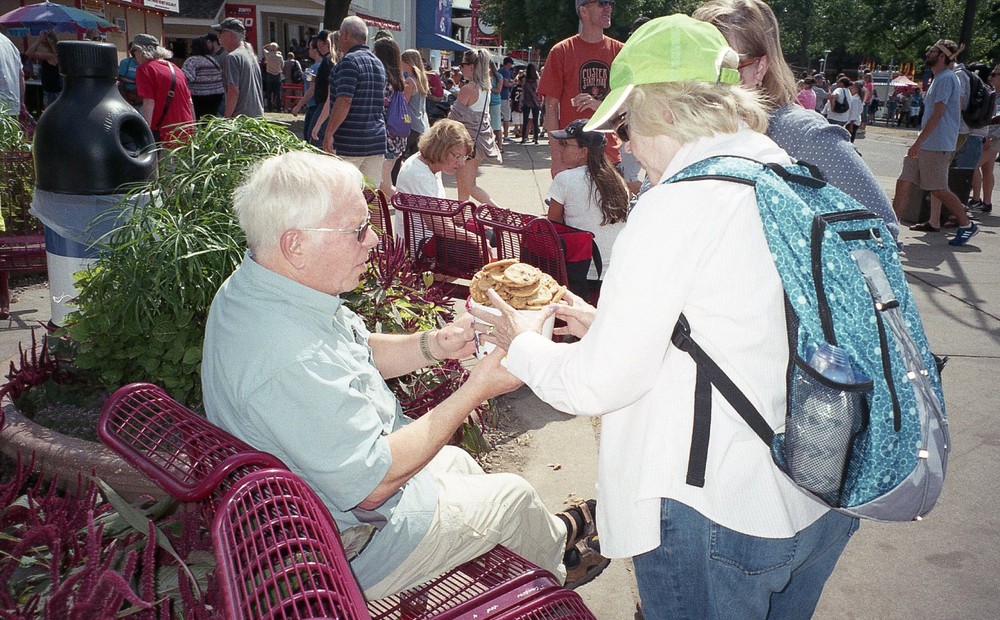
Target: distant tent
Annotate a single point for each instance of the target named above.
(902, 80)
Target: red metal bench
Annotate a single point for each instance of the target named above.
(188, 456)
(291, 94)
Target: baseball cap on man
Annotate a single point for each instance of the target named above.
(145, 40)
(575, 131)
(230, 23)
(675, 48)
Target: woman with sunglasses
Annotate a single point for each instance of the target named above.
(471, 108)
(752, 30)
(747, 543)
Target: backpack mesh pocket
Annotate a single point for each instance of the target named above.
(822, 421)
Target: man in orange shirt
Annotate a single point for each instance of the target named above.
(575, 76)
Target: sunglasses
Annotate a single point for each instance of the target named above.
(601, 3)
(361, 231)
(995, 73)
(747, 61)
(620, 126)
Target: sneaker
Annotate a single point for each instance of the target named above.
(980, 206)
(584, 562)
(962, 235)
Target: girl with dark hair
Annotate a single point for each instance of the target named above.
(531, 103)
(388, 52)
(588, 194)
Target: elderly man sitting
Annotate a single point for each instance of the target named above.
(292, 371)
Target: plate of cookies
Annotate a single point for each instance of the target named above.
(525, 287)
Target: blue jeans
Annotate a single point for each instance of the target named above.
(704, 571)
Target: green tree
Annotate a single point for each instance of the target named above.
(887, 31)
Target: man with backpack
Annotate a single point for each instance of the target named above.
(926, 162)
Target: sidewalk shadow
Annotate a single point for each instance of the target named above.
(530, 412)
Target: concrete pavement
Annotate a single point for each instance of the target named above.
(943, 567)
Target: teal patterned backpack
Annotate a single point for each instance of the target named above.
(866, 434)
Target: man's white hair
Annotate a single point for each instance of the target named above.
(293, 190)
(355, 27)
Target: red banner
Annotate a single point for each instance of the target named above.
(247, 13)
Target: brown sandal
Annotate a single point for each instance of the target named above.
(574, 533)
(924, 227)
(591, 563)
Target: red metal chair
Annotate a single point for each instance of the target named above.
(436, 236)
(291, 94)
(527, 238)
(178, 449)
(279, 554)
(381, 218)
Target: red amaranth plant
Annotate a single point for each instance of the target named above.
(35, 367)
(77, 556)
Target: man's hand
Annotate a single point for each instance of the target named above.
(585, 101)
(455, 341)
(490, 378)
(914, 151)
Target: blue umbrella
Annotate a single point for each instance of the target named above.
(36, 18)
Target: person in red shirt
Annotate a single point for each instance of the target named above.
(170, 117)
(575, 77)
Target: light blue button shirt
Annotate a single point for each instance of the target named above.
(288, 369)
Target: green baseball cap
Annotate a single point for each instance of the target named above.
(675, 48)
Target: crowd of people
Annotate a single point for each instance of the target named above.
(311, 388)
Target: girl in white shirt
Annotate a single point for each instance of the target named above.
(589, 194)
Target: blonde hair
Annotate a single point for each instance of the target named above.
(751, 27)
(415, 60)
(480, 60)
(688, 111)
(443, 136)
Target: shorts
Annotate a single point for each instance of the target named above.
(929, 172)
(505, 110)
(495, 118)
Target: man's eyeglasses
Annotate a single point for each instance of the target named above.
(361, 231)
(995, 73)
(466, 63)
(601, 3)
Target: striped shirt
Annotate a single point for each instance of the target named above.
(360, 76)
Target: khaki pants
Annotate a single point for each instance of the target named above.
(477, 511)
(370, 166)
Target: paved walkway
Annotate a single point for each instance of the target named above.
(944, 567)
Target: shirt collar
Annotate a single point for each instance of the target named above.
(300, 295)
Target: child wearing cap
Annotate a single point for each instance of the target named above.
(589, 194)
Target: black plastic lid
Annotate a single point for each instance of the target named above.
(87, 59)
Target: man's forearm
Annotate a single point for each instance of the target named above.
(341, 106)
(414, 445)
(551, 114)
(232, 96)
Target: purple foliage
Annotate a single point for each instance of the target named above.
(89, 573)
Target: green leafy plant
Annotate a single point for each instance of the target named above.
(17, 176)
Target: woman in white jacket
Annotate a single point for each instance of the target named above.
(748, 543)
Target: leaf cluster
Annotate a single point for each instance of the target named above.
(884, 31)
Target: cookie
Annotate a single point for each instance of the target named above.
(521, 274)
